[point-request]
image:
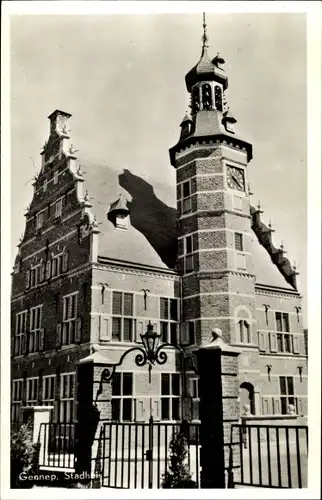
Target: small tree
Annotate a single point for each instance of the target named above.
(178, 475)
(22, 452)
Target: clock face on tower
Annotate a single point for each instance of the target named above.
(236, 178)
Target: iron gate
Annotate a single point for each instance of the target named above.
(136, 455)
(269, 455)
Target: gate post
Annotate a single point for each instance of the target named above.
(91, 410)
(219, 408)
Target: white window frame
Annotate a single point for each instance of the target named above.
(171, 397)
(55, 177)
(241, 237)
(57, 263)
(170, 325)
(69, 319)
(21, 330)
(34, 383)
(34, 329)
(244, 331)
(67, 398)
(121, 317)
(47, 388)
(281, 334)
(287, 396)
(16, 402)
(122, 398)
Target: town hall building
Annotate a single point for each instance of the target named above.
(105, 252)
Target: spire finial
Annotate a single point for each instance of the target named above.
(204, 36)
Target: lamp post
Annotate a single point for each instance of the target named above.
(150, 353)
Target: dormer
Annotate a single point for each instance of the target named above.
(118, 213)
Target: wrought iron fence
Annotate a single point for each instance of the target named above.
(270, 456)
(57, 442)
(136, 455)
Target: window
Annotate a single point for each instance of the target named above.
(48, 390)
(192, 332)
(21, 330)
(122, 397)
(284, 340)
(56, 177)
(56, 265)
(122, 320)
(239, 244)
(34, 328)
(58, 208)
(170, 396)
(244, 332)
(206, 96)
(188, 249)
(32, 391)
(287, 394)
(169, 315)
(282, 322)
(218, 98)
(39, 220)
(195, 100)
(186, 197)
(67, 389)
(69, 318)
(194, 388)
(45, 185)
(36, 275)
(17, 398)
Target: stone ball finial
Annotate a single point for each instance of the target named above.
(246, 409)
(216, 333)
(291, 410)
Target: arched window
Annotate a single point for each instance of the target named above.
(246, 397)
(244, 331)
(206, 96)
(195, 100)
(218, 98)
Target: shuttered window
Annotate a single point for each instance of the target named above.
(123, 323)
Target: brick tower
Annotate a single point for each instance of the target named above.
(214, 226)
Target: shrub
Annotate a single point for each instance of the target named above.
(178, 475)
(22, 454)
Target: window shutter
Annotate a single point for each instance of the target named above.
(296, 348)
(41, 339)
(273, 342)
(240, 261)
(261, 341)
(65, 261)
(104, 328)
(140, 330)
(48, 269)
(300, 406)
(28, 279)
(78, 332)
(185, 334)
(139, 410)
(156, 409)
(58, 334)
(42, 273)
(276, 406)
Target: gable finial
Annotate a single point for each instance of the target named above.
(204, 36)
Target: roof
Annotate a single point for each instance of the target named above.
(205, 69)
(151, 237)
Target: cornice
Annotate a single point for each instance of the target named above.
(137, 269)
(275, 292)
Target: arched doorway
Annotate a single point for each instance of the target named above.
(246, 396)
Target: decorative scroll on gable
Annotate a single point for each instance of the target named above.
(264, 236)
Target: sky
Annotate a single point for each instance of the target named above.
(122, 79)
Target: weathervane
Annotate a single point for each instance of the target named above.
(204, 36)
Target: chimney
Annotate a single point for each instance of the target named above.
(59, 122)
